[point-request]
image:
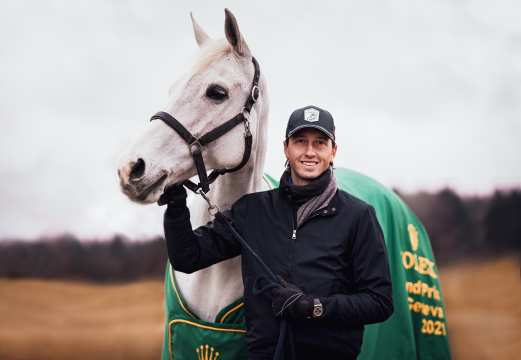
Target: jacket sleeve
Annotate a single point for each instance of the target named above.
(191, 250)
(372, 301)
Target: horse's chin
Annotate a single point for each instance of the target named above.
(146, 193)
(151, 198)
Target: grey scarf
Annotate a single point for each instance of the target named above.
(317, 202)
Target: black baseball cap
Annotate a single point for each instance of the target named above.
(311, 117)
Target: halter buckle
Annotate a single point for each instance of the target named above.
(255, 92)
(195, 147)
(212, 208)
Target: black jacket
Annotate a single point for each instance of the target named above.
(338, 255)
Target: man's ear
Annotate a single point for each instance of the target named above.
(335, 147)
(285, 144)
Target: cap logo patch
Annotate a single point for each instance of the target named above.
(311, 115)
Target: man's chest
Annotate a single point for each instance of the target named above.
(315, 254)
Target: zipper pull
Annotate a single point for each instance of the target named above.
(294, 237)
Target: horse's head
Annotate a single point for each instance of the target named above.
(213, 91)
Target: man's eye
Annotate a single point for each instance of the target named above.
(216, 92)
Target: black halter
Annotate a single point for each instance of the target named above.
(196, 144)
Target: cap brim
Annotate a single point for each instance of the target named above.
(305, 126)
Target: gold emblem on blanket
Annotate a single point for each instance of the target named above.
(413, 236)
(206, 352)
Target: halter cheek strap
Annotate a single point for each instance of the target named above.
(196, 144)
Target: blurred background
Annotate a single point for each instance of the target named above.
(426, 97)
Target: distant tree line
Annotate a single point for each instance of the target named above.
(469, 226)
(458, 227)
(66, 257)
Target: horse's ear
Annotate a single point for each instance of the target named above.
(200, 35)
(233, 34)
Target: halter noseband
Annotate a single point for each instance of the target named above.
(196, 144)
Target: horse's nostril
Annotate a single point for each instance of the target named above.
(138, 169)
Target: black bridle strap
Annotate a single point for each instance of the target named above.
(254, 91)
(196, 151)
(196, 144)
(248, 140)
(215, 173)
(221, 129)
(176, 125)
(206, 138)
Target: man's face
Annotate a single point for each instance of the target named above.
(309, 152)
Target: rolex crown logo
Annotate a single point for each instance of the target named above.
(206, 352)
(413, 237)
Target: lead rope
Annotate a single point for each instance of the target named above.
(216, 212)
(284, 331)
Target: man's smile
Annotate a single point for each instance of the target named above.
(309, 163)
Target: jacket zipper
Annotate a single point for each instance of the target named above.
(293, 238)
(315, 214)
(293, 217)
(294, 234)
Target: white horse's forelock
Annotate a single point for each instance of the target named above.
(211, 51)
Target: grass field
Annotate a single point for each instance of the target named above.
(483, 303)
(65, 320)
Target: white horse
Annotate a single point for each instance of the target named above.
(212, 91)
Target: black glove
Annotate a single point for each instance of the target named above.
(289, 301)
(173, 195)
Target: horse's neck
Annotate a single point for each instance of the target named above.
(209, 290)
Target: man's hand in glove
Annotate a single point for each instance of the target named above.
(290, 302)
(173, 195)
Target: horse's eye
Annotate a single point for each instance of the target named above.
(216, 92)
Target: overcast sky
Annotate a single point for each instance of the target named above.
(425, 94)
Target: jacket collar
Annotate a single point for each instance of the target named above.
(298, 195)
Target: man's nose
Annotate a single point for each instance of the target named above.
(310, 151)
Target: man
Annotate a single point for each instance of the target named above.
(325, 245)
